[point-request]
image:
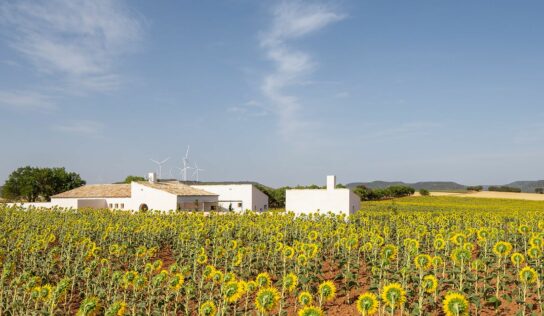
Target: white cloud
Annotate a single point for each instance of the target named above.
(251, 108)
(291, 20)
(80, 127)
(26, 100)
(75, 41)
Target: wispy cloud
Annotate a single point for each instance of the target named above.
(26, 100)
(291, 21)
(251, 108)
(77, 42)
(86, 127)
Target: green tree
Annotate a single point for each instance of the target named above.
(32, 183)
(129, 179)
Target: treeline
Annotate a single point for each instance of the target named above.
(31, 184)
(504, 189)
(476, 188)
(394, 191)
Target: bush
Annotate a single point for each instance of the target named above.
(539, 190)
(476, 188)
(424, 192)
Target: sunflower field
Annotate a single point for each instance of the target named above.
(392, 258)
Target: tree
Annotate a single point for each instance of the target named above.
(539, 190)
(476, 188)
(424, 192)
(130, 179)
(32, 183)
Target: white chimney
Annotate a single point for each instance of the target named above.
(331, 182)
(152, 177)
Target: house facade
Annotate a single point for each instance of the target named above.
(237, 197)
(141, 195)
(331, 199)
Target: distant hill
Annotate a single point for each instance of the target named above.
(527, 186)
(428, 185)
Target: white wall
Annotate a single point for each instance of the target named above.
(204, 201)
(337, 201)
(246, 194)
(153, 198)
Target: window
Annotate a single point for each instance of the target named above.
(116, 205)
(240, 204)
(111, 205)
(122, 205)
(212, 208)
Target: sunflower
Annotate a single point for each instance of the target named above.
(439, 244)
(393, 295)
(229, 276)
(536, 241)
(310, 311)
(208, 309)
(523, 229)
(46, 292)
(232, 291)
(534, 252)
(288, 252)
(455, 304)
(502, 248)
(460, 255)
(458, 239)
(389, 252)
(118, 308)
(128, 278)
(267, 299)
(251, 286)
(327, 290)
(483, 234)
(437, 261)
(367, 304)
(217, 276)
(202, 258)
(517, 259)
(312, 235)
(302, 260)
(290, 282)
(89, 307)
(157, 265)
(176, 282)
(208, 272)
(305, 298)
(528, 275)
(263, 279)
(422, 262)
(430, 283)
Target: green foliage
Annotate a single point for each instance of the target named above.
(32, 183)
(476, 188)
(424, 192)
(539, 190)
(394, 191)
(504, 189)
(130, 179)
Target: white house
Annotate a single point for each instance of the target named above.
(336, 200)
(237, 197)
(141, 195)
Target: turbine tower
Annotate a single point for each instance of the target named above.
(197, 170)
(186, 164)
(159, 164)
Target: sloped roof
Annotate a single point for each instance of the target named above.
(176, 188)
(97, 191)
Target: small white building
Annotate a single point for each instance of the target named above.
(237, 197)
(331, 199)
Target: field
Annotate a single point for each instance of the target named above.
(410, 256)
(491, 195)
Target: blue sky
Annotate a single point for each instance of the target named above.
(280, 92)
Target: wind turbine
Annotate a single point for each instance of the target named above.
(160, 163)
(197, 170)
(186, 164)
